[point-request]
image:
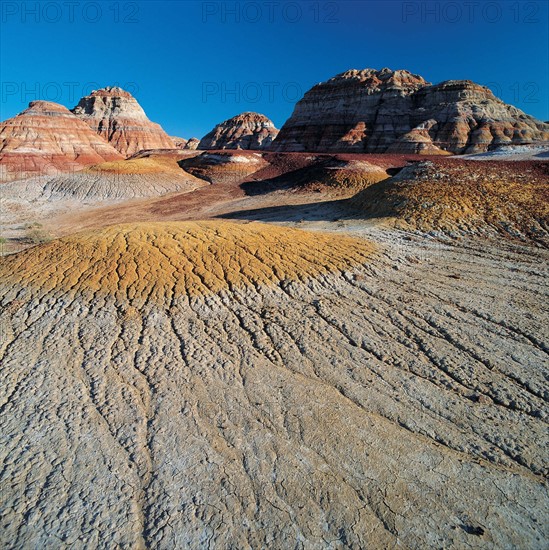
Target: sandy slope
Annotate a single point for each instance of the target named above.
(463, 198)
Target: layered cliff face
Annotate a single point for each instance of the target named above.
(354, 111)
(116, 115)
(396, 111)
(46, 139)
(417, 141)
(470, 119)
(244, 131)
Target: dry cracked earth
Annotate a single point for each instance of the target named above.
(370, 389)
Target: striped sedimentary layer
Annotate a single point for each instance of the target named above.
(118, 118)
(388, 111)
(47, 139)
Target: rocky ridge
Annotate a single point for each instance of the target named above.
(116, 115)
(224, 166)
(396, 111)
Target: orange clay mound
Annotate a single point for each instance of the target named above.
(138, 166)
(464, 196)
(159, 261)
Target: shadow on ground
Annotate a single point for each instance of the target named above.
(333, 211)
(288, 180)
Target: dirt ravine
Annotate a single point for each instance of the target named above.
(398, 403)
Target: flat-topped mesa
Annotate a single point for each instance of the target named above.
(46, 138)
(116, 115)
(244, 131)
(371, 111)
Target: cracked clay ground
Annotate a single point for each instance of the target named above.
(399, 402)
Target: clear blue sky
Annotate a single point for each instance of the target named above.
(194, 64)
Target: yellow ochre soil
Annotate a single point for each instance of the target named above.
(464, 196)
(161, 260)
(137, 166)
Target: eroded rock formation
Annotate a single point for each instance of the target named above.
(179, 142)
(186, 144)
(396, 111)
(244, 131)
(192, 143)
(45, 139)
(116, 115)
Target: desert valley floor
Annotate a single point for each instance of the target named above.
(244, 350)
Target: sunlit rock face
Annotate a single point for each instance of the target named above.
(244, 131)
(45, 139)
(116, 115)
(396, 111)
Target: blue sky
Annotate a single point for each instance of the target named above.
(194, 64)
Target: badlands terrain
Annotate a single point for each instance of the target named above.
(340, 342)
